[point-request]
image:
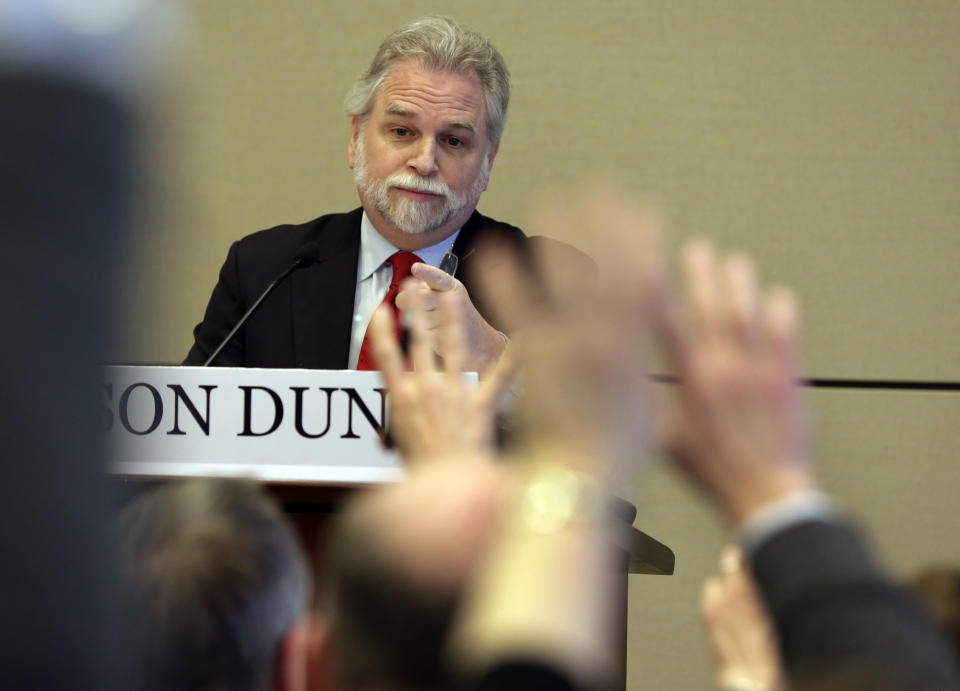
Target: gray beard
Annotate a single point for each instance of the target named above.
(411, 216)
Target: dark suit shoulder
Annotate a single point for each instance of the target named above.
(500, 226)
(251, 264)
(275, 247)
(479, 228)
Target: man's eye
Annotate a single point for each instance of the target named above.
(401, 131)
(455, 142)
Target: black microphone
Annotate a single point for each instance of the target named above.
(308, 254)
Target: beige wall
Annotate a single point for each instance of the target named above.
(821, 136)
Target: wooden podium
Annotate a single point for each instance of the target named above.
(310, 436)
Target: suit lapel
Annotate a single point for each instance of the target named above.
(323, 296)
(465, 245)
(466, 238)
(475, 232)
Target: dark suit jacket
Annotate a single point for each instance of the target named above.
(835, 610)
(306, 321)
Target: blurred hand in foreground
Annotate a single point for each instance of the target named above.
(546, 590)
(739, 425)
(435, 412)
(582, 341)
(742, 639)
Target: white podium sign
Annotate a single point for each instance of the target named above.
(269, 424)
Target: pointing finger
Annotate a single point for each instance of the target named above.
(434, 277)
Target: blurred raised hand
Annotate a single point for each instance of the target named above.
(742, 639)
(738, 426)
(582, 340)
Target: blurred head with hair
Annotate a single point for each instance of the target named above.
(398, 566)
(213, 586)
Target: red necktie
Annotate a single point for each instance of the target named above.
(401, 262)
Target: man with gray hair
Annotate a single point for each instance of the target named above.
(426, 120)
(214, 590)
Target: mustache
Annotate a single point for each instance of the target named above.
(417, 184)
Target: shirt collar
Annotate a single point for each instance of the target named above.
(375, 249)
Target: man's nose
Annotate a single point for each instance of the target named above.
(424, 159)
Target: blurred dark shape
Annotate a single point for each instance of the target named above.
(938, 588)
(66, 175)
(848, 678)
(839, 615)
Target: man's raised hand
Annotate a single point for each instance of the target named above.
(444, 302)
(434, 412)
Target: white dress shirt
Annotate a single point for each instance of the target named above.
(374, 275)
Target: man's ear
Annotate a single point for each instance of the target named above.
(352, 145)
(491, 154)
(302, 663)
